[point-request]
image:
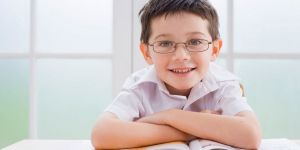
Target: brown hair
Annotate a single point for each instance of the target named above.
(156, 8)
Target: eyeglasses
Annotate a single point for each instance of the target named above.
(195, 45)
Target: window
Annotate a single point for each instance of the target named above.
(266, 55)
(59, 68)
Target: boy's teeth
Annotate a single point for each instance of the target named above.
(181, 70)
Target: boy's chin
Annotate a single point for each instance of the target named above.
(183, 87)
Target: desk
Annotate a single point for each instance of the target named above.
(51, 145)
(59, 145)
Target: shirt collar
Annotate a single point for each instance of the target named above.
(151, 77)
(211, 82)
(205, 86)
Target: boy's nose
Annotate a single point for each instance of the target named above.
(181, 53)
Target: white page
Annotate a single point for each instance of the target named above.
(208, 145)
(168, 146)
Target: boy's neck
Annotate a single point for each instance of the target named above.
(174, 91)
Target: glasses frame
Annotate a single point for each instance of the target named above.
(175, 45)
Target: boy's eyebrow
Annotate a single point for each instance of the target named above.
(161, 35)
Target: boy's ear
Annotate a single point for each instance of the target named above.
(217, 45)
(144, 50)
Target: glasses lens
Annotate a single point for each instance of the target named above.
(163, 46)
(197, 45)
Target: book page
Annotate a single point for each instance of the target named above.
(199, 144)
(165, 146)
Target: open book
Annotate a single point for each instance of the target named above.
(199, 144)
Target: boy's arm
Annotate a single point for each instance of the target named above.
(240, 131)
(113, 133)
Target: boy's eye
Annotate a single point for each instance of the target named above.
(165, 43)
(195, 42)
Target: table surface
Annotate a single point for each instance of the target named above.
(31, 144)
(51, 145)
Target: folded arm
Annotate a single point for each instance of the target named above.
(113, 133)
(241, 130)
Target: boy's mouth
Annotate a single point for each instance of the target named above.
(182, 70)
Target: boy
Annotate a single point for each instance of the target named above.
(182, 95)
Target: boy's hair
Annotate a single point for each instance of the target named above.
(156, 8)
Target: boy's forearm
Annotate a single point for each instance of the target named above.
(231, 130)
(116, 134)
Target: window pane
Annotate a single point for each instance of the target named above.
(74, 26)
(14, 109)
(272, 88)
(14, 26)
(72, 94)
(266, 26)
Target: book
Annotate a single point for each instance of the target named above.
(197, 144)
(200, 144)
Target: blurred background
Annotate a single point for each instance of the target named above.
(63, 61)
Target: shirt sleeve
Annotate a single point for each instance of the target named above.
(231, 100)
(127, 105)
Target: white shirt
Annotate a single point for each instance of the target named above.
(144, 93)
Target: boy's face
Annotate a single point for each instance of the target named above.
(180, 70)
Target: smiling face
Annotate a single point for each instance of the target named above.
(180, 70)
